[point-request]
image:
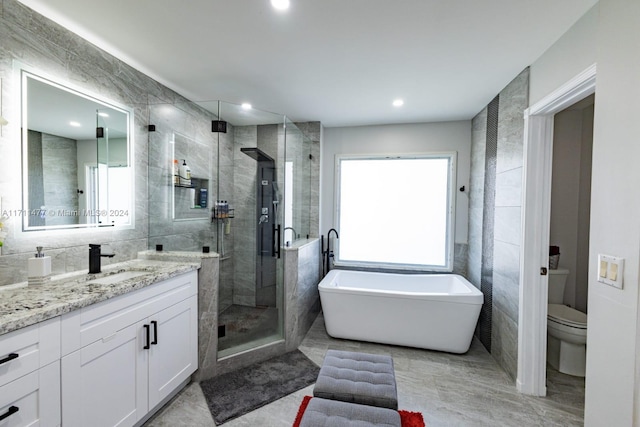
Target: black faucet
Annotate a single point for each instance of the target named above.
(94, 258)
(329, 253)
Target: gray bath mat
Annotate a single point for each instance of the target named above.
(237, 393)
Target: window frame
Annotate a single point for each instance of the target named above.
(451, 156)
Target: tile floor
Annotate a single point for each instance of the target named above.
(449, 390)
(246, 324)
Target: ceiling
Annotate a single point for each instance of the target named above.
(341, 62)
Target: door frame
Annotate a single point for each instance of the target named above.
(536, 213)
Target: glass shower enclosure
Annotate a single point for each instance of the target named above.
(249, 228)
(244, 198)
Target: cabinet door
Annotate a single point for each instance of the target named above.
(27, 349)
(105, 383)
(174, 356)
(32, 400)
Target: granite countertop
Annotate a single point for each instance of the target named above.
(22, 305)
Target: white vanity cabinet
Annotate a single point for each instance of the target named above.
(123, 356)
(30, 376)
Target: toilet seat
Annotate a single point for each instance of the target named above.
(567, 316)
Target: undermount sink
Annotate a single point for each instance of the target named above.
(118, 277)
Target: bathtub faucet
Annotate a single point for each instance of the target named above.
(293, 232)
(329, 253)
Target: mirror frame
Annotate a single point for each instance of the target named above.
(26, 73)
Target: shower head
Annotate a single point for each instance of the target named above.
(257, 154)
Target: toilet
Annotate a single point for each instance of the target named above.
(566, 329)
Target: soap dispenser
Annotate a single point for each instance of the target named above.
(39, 268)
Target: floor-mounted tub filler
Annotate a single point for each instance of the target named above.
(430, 311)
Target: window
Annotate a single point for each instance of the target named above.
(396, 211)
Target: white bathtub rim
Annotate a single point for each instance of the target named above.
(473, 297)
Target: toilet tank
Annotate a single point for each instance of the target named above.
(557, 280)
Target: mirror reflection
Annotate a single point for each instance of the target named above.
(77, 169)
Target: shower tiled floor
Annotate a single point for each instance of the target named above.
(246, 324)
(449, 390)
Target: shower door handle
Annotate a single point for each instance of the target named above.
(275, 250)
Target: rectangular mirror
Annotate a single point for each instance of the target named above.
(77, 158)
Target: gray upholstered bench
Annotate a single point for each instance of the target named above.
(333, 413)
(367, 379)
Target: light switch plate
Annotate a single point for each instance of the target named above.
(610, 270)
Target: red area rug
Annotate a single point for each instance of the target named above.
(408, 418)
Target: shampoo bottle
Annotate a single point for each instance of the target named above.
(185, 174)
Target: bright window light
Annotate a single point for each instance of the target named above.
(396, 212)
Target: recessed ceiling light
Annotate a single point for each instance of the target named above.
(75, 124)
(398, 103)
(280, 4)
(246, 106)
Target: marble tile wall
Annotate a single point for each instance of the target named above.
(245, 222)
(46, 47)
(513, 100)
(476, 196)
(302, 299)
(313, 131)
(182, 131)
(460, 256)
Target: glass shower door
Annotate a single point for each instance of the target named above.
(248, 223)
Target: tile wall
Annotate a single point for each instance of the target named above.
(505, 258)
(44, 46)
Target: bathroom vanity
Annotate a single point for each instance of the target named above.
(99, 350)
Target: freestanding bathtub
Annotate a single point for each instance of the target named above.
(431, 311)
